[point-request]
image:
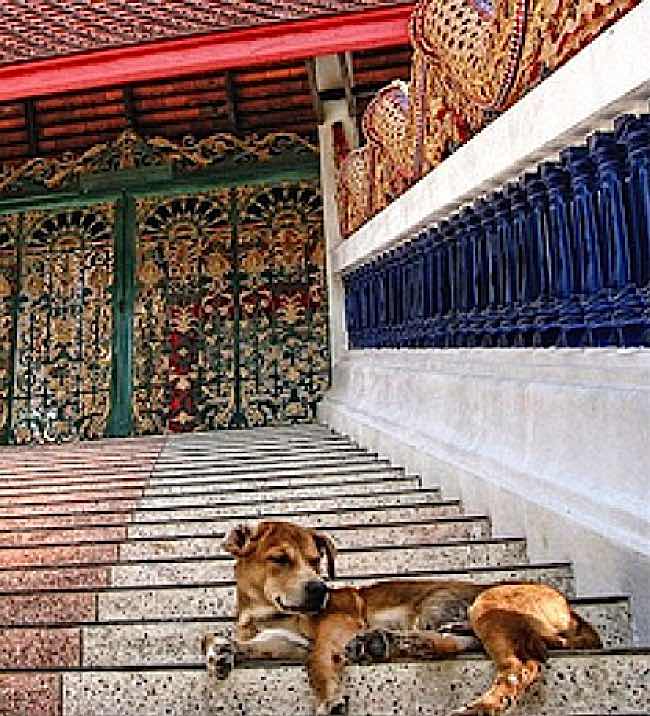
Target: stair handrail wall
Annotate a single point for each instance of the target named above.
(560, 257)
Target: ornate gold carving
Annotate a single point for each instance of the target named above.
(130, 151)
(472, 59)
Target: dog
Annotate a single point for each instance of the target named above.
(285, 610)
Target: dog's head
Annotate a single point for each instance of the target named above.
(279, 566)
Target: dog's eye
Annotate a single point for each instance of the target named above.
(280, 559)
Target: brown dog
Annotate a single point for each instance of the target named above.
(286, 611)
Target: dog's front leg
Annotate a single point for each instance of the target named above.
(223, 654)
(379, 645)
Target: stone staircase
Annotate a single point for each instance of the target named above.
(111, 571)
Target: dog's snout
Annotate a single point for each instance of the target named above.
(315, 595)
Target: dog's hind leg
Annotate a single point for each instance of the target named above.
(517, 650)
(379, 645)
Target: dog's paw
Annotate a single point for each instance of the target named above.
(340, 708)
(219, 655)
(472, 710)
(369, 647)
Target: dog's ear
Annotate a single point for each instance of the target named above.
(325, 545)
(238, 539)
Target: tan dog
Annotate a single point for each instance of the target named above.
(285, 611)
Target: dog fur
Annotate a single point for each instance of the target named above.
(282, 613)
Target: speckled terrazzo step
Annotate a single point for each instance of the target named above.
(362, 506)
(374, 481)
(46, 595)
(587, 683)
(79, 472)
(190, 481)
(158, 642)
(61, 530)
(201, 506)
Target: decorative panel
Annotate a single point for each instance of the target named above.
(65, 324)
(282, 342)
(183, 334)
(9, 230)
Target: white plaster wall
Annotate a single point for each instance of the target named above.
(553, 444)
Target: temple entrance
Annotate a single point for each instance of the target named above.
(176, 311)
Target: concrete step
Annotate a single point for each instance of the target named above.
(201, 558)
(608, 682)
(32, 586)
(203, 508)
(232, 457)
(120, 644)
(46, 530)
(192, 480)
(426, 527)
(374, 481)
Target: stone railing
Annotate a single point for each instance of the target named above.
(559, 258)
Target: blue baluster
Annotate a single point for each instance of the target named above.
(507, 275)
(522, 280)
(566, 285)
(485, 210)
(634, 133)
(598, 305)
(614, 224)
(542, 263)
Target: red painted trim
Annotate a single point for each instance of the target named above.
(207, 53)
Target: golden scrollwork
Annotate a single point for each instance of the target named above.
(131, 151)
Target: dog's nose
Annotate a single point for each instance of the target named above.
(315, 594)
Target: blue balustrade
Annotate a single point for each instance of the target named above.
(559, 258)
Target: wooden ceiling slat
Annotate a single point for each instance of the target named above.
(12, 123)
(176, 116)
(179, 86)
(63, 130)
(180, 100)
(17, 151)
(387, 59)
(18, 137)
(177, 130)
(250, 77)
(99, 111)
(274, 90)
(271, 103)
(12, 110)
(279, 117)
(79, 100)
(381, 77)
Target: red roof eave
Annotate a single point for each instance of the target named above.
(207, 53)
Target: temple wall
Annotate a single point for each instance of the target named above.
(552, 443)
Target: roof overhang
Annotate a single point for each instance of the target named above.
(207, 53)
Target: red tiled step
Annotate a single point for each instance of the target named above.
(69, 507)
(47, 609)
(91, 534)
(40, 648)
(30, 694)
(66, 521)
(50, 500)
(72, 554)
(24, 580)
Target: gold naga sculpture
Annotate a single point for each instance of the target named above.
(472, 60)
